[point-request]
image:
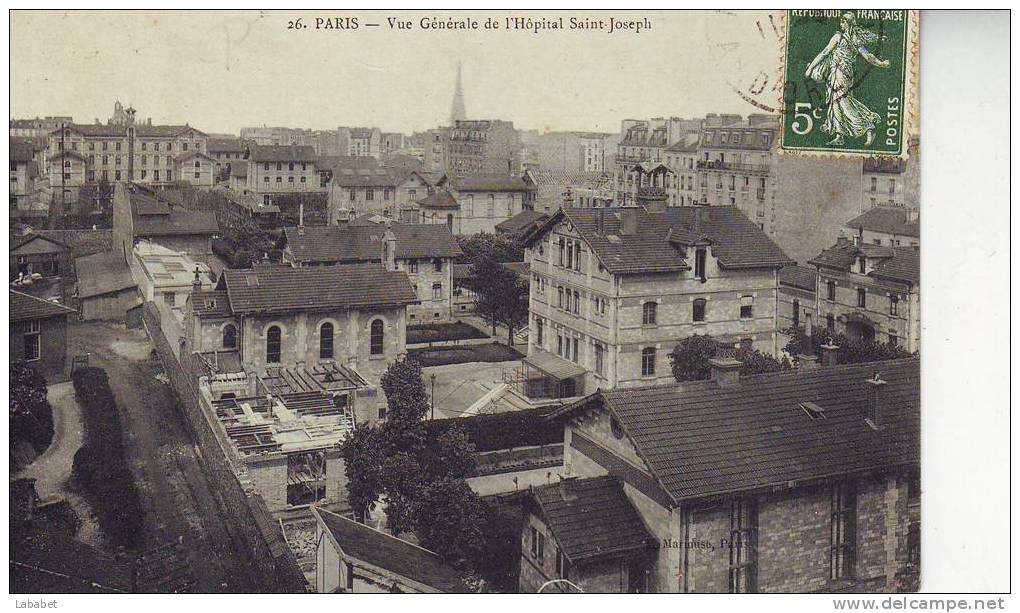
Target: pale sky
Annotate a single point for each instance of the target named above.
(220, 71)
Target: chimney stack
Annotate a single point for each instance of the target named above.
(565, 485)
(652, 199)
(874, 417)
(807, 362)
(600, 221)
(830, 355)
(628, 221)
(301, 215)
(725, 371)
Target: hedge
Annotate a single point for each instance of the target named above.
(526, 428)
(100, 467)
(434, 333)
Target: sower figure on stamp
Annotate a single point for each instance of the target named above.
(834, 67)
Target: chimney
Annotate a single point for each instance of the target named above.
(725, 371)
(565, 486)
(628, 221)
(389, 246)
(807, 362)
(652, 199)
(874, 417)
(600, 221)
(301, 216)
(830, 355)
(842, 239)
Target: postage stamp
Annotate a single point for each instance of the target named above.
(847, 85)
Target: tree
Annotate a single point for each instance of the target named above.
(31, 416)
(851, 351)
(689, 359)
(407, 405)
(454, 454)
(362, 453)
(502, 295)
(485, 246)
(448, 520)
(244, 243)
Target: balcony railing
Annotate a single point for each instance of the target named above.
(721, 165)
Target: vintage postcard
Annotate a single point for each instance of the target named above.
(464, 302)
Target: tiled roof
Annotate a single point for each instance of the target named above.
(801, 277)
(439, 199)
(20, 241)
(177, 223)
(347, 176)
(901, 264)
(333, 162)
(210, 303)
(886, 219)
(363, 243)
(102, 273)
(142, 130)
(225, 145)
(592, 518)
(522, 221)
(381, 550)
(904, 266)
(489, 183)
(276, 289)
(193, 153)
(283, 153)
(27, 308)
(701, 440)
(21, 151)
(736, 241)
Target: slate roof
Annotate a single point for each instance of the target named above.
(592, 518)
(28, 308)
(46, 562)
(886, 219)
(439, 199)
(736, 241)
(21, 151)
(801, 277)
(362, 176)
(901, 264)
(225, 145)
(177, 223)
(210, 303)
(283, 153)
(522, 221)
(363, 243)
(26, 239)
(381, 550)
(701, 440)
(750, 137)
(279, 289)
(102, 273)
(143, 130)
(489, 183)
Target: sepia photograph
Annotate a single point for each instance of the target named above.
(471, 301)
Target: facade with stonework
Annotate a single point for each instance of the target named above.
(819, 495)
(613, 291)
(425, 253)
(870, 292)
(477, 203)
(281, 169)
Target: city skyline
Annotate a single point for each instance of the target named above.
(593, 93)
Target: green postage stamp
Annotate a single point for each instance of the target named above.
(848, 86)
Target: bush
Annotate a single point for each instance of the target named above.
(493, 352)
(509, 430)
(433, 333)
(31, 416)
(689, 359)
(851, 351)
(100, 467)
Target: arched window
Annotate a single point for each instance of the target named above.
(649, 313)
(326, 341)
(273, 345)
(229, 337)
(648, 362)
(376, 338)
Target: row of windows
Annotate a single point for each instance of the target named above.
(280, 179)
(274, 340)
(370, 194)
(290, 166)
(105, 174)
(117, 146)
(862, 297)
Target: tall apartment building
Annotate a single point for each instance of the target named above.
(641, 151)
(596, 149)
(735, 169)
(483, 147)
(25, 173)
(361, 142)
(141, 153)
(614, 290)
(282, 169)
(435, 147)
(891, 181)
(682, 158)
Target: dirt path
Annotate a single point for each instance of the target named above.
(177, 496)
(52, 469)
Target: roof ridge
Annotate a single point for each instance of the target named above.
(376, 530)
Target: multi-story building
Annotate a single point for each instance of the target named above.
(38, 127)
(735, 169)
(424, 252)
(640, 153)
(802, 481)
(24, 172)
(141, 153)
(797, 306)
(870, 292)
(228, 153)
(435, 146)
(894, 226)
(281, 169)
(483, 147)
(362, 141)
(139, 213)
(614, 290)
(359, 186)
(596, 147)
(891, 181)
(477, 203)
(682, 158)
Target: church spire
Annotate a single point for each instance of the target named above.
(457, 110)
